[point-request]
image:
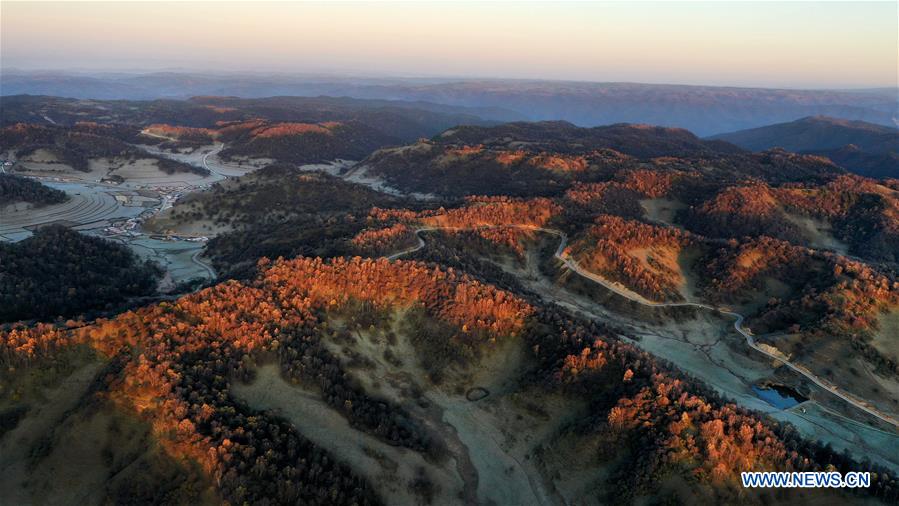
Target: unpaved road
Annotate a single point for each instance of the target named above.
(738, 318)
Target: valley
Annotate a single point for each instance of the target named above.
(702, 348)
(459, 319)
(116, 210)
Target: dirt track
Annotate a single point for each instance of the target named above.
(738, 318)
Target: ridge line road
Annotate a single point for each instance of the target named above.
(738, 322)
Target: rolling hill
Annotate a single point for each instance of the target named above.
(298, 130)
(235, 382)
(546, 158)
(570, 315)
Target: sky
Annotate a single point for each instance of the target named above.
(782, 44)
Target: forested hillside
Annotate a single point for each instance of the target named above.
(529, 159)
(289, 129)
(14, 188)
(177, 365)
(78, 145)
(61, 273)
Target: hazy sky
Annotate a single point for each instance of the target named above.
(798, 44)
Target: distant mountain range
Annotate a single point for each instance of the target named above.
(864, 148)
(705, 110)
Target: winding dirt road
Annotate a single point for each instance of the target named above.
(206, 160)
(195, 258)
(574, 266)
(738, 318)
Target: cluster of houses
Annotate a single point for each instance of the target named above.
(168, 195)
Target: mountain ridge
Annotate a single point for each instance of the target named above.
(705, 110)
(865, 148)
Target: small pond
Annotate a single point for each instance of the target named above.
(779, 396)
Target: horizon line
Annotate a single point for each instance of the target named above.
(445, 78)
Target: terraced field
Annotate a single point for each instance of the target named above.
(90, 207)
(93, 206)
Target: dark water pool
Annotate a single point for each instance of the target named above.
(779, 396)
